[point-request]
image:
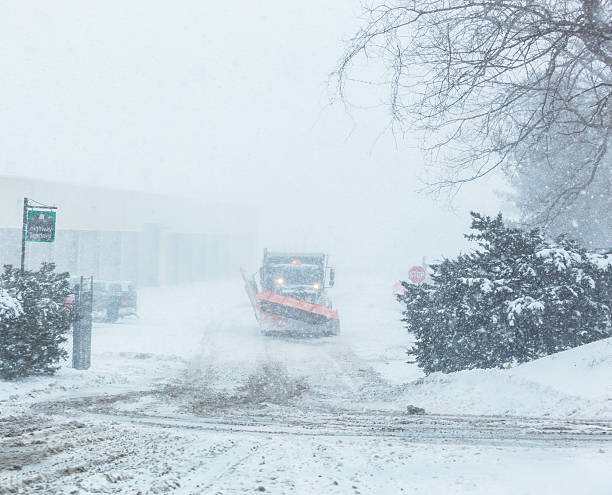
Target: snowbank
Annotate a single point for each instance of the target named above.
(575, 384)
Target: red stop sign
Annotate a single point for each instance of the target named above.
(417, 274)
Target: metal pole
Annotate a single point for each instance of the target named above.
(23, 233)
(76, 326)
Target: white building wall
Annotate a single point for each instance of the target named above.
(125, 235)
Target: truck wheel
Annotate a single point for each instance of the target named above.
(332, 330)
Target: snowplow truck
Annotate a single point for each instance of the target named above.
(292, 294)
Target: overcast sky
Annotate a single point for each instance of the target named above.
(227, 101)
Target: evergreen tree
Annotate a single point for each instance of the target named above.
(33, 321)
(515, 298)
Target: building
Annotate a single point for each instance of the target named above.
(128, 235)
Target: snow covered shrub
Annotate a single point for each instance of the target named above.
(10, 308)
(10, 311)
(33, 321)
(515, 298)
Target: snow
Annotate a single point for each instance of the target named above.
(485, 284)
(559, 257)
(173, 403)
(9, 306)
(562, 259)
(210, 327)
(573, 384)
(602, 261)
(516, 306)
(584, 372)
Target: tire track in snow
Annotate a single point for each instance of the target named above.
(219, 468)
(421, 429)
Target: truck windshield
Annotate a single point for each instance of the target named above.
(297, 274)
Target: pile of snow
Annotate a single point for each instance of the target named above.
(576, 383)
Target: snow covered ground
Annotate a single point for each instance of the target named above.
(190, 398)
(573, 384)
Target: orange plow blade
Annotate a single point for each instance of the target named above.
(275, 312)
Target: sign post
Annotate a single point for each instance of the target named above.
(81, 327)
(23, 232)
(38, 225)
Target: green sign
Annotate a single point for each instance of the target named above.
(41, 226)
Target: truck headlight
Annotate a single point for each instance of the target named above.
(280, 281)
(316, 286)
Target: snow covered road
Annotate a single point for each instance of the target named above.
(192, 399)
(107, 456)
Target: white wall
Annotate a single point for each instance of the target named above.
(113, 234)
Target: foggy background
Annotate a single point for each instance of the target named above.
(226, 102)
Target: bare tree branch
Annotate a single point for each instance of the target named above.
(485, 81)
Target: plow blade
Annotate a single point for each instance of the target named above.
(276, 313)
(284, 313)
(290, 307)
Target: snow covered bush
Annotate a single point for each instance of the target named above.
(10, 307)
(33, 321)
(10, 311)
(515, 298)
